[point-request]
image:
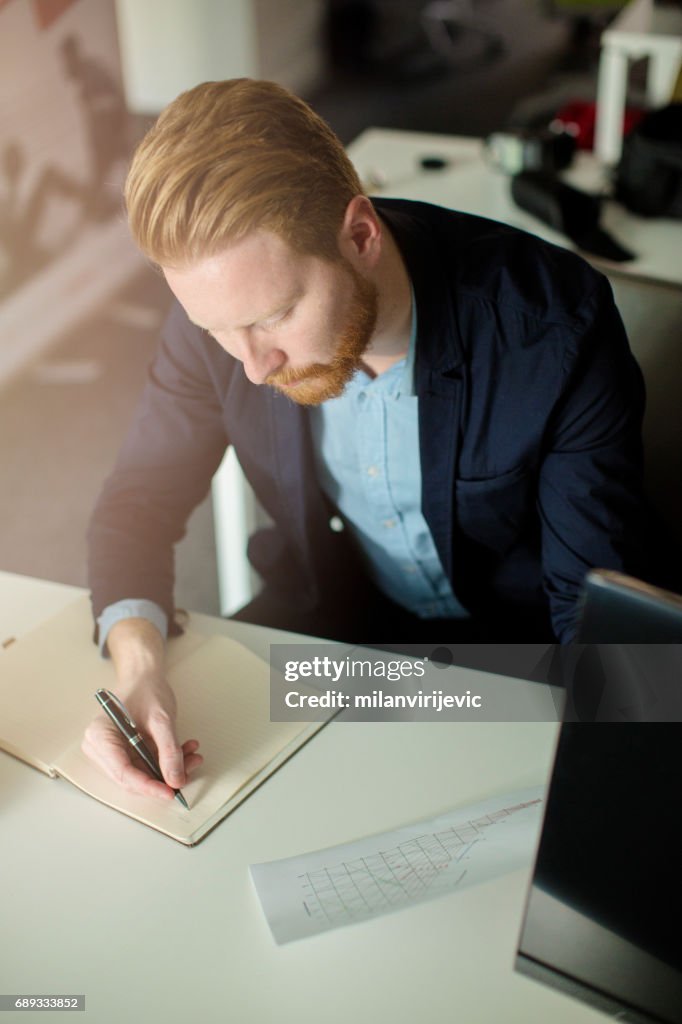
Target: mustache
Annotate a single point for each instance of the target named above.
(313, 371)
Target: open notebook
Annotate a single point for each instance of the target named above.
(48, 680)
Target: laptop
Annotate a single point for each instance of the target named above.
(620, 609)
(603, 918)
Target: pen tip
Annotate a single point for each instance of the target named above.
(181, 799)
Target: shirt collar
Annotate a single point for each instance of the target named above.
(407, 381)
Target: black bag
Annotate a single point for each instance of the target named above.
(649, 176)
(569, 210)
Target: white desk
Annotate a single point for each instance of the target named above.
(151, 931)
(470, 184)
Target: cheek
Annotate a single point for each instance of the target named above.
(310, 340)
(331, 322)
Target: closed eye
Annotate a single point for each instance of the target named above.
(275, 321)
(270, 323)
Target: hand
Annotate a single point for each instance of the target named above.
(137, 650)
(153, 710)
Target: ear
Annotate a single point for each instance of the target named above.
(360, 236)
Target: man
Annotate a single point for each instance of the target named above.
(456, 398)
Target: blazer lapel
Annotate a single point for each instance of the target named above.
(439, 378)
(439, 421)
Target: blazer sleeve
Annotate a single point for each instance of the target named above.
(164, 469)
(590, 490)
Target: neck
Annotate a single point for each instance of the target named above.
(391, 338)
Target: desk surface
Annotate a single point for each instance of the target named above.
(181, 930)
(470, 184)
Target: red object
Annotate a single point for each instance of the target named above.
(47, 11)
(578, 117)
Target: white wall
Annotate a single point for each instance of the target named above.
(168, 46)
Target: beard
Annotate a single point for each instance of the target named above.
(318, 382)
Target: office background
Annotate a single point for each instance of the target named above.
(79, 311)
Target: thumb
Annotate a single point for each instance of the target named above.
(161, 728)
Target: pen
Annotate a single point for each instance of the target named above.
(125, 725)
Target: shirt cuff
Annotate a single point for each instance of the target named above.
(133, 608)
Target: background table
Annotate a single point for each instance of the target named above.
(388, 162)
(95, 903)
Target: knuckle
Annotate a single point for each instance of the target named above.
(91, 732)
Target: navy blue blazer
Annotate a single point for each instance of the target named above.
(530, 410)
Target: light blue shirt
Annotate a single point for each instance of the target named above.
(132, 608)
(366, 445)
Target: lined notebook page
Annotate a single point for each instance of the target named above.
(47, 683)
(223, 693)
(48, 680)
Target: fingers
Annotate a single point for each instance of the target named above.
(192, 759)
(161, 729)
(105, 746)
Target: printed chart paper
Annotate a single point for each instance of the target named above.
(314, 892)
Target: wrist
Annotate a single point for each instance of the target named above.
(138, 653)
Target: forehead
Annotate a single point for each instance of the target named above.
(241, 284)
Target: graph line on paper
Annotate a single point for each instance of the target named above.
(355, 881)
(371, 884)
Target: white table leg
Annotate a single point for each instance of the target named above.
(611, 92)
(234, 519)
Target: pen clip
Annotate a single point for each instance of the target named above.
(121, 707)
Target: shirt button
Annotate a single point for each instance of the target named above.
(372, 471)
(410, 569)
(362, 395)
(336, 524)
(389, 523)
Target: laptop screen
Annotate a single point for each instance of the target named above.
(603, 919)
(619, 609)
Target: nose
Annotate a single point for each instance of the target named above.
(259, 363)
